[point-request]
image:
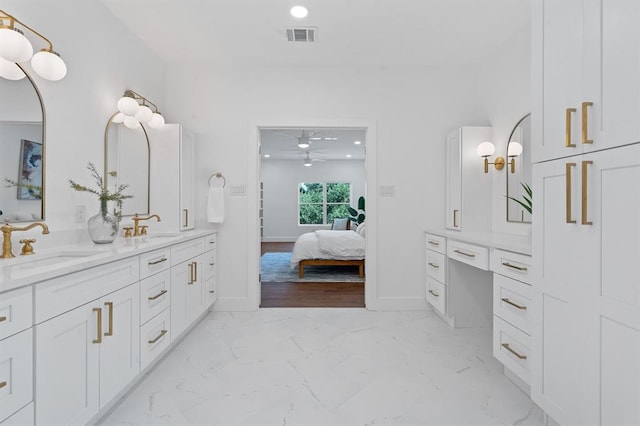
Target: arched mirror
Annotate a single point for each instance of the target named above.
(126, 161)
(519, 201)
(22, 144)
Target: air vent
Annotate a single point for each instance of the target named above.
(305, 34)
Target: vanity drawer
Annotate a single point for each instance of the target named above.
(512, 348)
(154, 262)
(436, 263)
(16, 373)
(436, 243)
(514, 265)
(155, 337)
(16, 308)
(470, 254)
(64, 293)
(209, 266)
(154, 295)
(187, 250)
(512, 302)
(210, 242)
(437, 295)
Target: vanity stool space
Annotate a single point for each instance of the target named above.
(89, 331)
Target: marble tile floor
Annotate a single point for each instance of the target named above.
(325, 366)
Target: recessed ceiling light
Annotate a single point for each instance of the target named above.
(267, 156)
(357, 143)
(299, 11)
(348, 155)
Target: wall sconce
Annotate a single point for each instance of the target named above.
(486, 150)
(514, 149)
(15, 47)
(135, 109)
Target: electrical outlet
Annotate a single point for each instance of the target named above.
(81, 215)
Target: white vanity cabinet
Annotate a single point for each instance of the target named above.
(173, 174)
(465, 189)
(436, 270)
(187, 286)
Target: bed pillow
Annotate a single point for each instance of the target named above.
(361, 230)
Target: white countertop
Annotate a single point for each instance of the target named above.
(510, 242)
(21, 271)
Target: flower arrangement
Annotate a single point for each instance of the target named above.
(102, 192)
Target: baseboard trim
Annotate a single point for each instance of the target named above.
(401, 304)
(234, 304)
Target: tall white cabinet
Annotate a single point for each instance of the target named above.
(586, 223)
(173, 176)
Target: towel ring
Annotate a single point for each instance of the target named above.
(218, 175)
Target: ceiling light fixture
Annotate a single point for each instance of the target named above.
(299, 12)
(348, 155)
(357, 142)
(15, 47)
(135, 107)
(267, 156)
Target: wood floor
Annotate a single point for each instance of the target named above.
(309, 294)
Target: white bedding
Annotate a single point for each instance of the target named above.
(342, 245)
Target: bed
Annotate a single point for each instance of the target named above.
(333, 248)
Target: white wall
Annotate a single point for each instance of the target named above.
(280, 194)
(103, 59)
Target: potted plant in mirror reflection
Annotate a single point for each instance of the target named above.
(103, 227)
(34, 191)
(527, 198)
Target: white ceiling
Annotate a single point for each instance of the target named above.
(379, 33)
(281, 144)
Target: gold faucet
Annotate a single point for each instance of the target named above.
(6, 236)
(136, 226)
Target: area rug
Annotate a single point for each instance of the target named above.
(274, 267)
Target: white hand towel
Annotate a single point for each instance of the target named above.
(215, 205)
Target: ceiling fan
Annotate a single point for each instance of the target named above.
(304, 140)
(308, 161)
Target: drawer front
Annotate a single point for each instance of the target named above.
(513, 265)
(211, 291)
(209, 266)
(24, 417)
(154, 295)
(436, 243)
(512, 302)
(437, 295)
(70, 291)
(512, 348)
(155, 337)
(16, 373)
(436, 265)
(468, 253)
(210, 242)
(154, 262)
(16, 308)
(187, 250)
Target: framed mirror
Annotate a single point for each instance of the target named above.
(127, 161)
(22, 143)
(518, 168)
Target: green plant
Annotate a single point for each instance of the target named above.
(102, 192)
(34, 190)
(357, 216)
(527, 198)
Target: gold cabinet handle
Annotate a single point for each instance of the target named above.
(155, 262)
(433, 265)
(186, 217)
(190, 273)
(509, 265)
(568, 167)
(585, 203)
(152, 341)
(109, 306)
(433, 293)
(99, 325)
(507, 347)
(464, 253)
(195, 272)
(521, 307)
(157, 295)
(568, 113)
(3, 318)
(455, 216)
(3, 384)
(434, 243)
(585, 121)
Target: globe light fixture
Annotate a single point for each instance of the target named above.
(134, 110)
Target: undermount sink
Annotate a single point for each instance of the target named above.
(159, 236)
(39, 261)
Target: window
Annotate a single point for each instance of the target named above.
(320, 203)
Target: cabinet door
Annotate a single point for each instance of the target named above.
(120, 350)
(187, 178)
(67, 367)
(209, 276)
(186, 295)
(453, 181)
(16, 372)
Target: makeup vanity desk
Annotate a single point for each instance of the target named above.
(483, 279)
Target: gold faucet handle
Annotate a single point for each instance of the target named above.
(127, 231)
(27, 248)
(143, 229)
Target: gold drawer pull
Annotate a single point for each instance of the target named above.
(3, 319)
(157, 295)
(155, 262)
(109, 305)
(434, 243)
(433, 265)
(585, 220)
(568, 166)
(521, 307)
(152, 341)
(567, 142)
(585, 121)
(507, 347)
(3, 384)
(465, 254)
(433, 293)
(99, 325)
(509, 265)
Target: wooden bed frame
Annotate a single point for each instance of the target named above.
(331, 262)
